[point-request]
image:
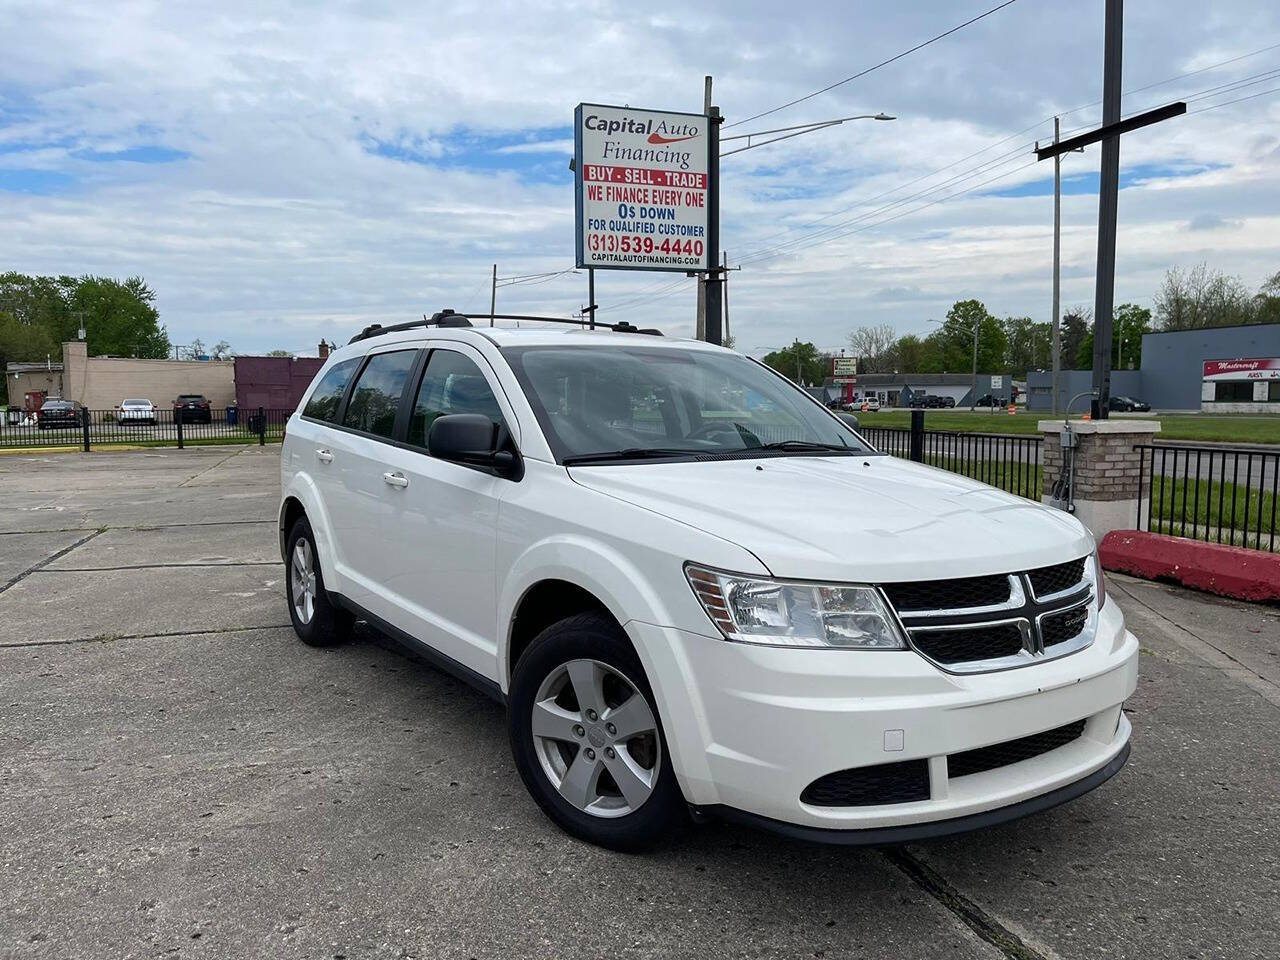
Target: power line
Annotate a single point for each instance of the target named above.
(1228, 103)
(882, 63)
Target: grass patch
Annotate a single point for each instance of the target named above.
(1240, 428)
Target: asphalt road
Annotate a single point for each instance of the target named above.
(180, 777)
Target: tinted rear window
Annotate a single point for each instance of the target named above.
(376, 397)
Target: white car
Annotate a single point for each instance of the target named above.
(136, 411)
(870, 404)
(697, 591)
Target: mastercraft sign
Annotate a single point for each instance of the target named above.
(1258, 368)
(640, 178)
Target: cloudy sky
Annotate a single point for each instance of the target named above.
(284, 171)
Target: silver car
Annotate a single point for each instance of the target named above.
(136, 411)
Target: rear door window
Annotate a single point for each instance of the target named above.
(375, 400)
(327, 395)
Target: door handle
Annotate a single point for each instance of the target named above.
(324, 456)
(396, 479)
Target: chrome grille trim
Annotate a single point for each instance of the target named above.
(1028, 613)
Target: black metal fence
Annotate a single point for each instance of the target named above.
(1010, 462)
(1213, 493)
(95, 428)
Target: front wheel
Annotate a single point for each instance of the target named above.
(587, 739)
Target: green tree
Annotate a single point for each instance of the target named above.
(1128, 323)
(1029, 343)
(801, 362)
(957, 338)
(1076, 324)
(119, 317)
(910, 354)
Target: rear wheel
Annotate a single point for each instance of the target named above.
(316, 621)
(587, 739)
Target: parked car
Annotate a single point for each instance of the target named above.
(1127, 405)
(931, 401)
(193, 408)
(869, 404)
(948, 402)
(58, 414)
(670, 610)
(987, 400)
(135, 411)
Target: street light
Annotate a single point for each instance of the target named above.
(973, 390)
(796, 131)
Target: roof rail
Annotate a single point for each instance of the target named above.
(449, 318)
(445, 318)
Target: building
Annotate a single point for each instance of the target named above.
(898, 389)
(1215, 369)
(101, 383)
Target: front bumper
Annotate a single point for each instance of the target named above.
(749, 727)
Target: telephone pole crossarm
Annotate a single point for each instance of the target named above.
(1112, 130)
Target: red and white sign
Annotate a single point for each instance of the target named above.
(1267, 368)
(641, 186)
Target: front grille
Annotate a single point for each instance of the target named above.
(979, 642)
(900, 782)
(948, 594)
(1055, 579)
(1061, 627)
(1012, 751)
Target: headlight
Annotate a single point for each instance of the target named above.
(792, 614)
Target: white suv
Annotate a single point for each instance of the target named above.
(695, 589)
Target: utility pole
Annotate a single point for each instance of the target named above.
(725, 274)
(493, 294)
(973, 404)
(591, 297)
(1108, 200)
(701, 325)
(1057, 265)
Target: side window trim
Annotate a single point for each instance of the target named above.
(408, 396)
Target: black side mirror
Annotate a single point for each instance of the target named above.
(475, 440)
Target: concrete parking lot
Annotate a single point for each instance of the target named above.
(180, 777)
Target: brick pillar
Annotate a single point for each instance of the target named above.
(1105, 489)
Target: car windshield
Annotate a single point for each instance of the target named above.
(628, 402)
(137, 403)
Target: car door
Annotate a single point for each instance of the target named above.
(441, 528)
(361, 487)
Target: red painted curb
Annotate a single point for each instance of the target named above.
(1215, 568)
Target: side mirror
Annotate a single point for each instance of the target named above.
(475, 440)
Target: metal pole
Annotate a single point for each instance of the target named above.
(714, 282)
(493, 294)
(591, 297)
(973, 403)
(1108, 196)
(700, 323)
(1057, 263)
(725, 274)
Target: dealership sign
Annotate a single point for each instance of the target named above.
(1267, 368)
(640, 181)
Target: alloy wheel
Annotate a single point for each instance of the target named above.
(596, 738)
(302, 575)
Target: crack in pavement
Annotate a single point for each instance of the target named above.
(965, 910)
(48, 560)
(212, 467)
(112, 637)
(137, 526)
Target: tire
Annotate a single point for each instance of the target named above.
(316, 620)
(586, 647)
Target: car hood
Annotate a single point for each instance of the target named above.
(868, 519)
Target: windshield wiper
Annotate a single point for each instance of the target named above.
(807, 445)
(629, 453)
